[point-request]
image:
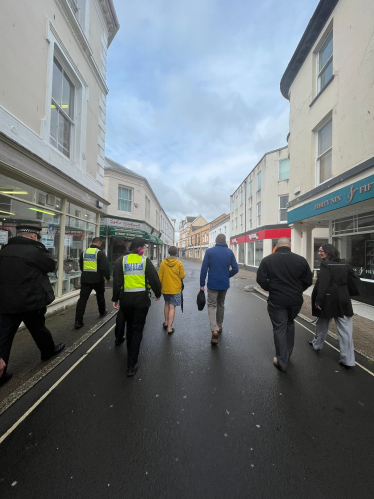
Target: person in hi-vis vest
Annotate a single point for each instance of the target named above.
(133, 274)
(95, 268)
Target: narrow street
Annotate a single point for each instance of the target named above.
(196, 421)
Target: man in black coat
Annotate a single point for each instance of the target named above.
(25, 292)
(93, 274)
(286, 276)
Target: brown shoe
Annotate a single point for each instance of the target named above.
(220, 330)
(214, 339)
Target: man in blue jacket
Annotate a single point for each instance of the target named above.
(220, 263)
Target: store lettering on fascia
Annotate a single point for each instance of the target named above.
(349, 213)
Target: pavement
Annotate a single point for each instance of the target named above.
(196, 421)
(25, 363)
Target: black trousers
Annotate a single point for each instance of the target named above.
(119, 330)
(35, 323)
(135, 321)
(283, 320)
(86, 289)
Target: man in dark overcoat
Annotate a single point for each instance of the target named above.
(25, 292)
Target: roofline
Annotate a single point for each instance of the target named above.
(111, 19)
(313, 30)
(221, 222)
(258, 162)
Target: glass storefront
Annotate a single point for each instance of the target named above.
(241, 253)
(251, 253)
(24, 204)
(259, 252)
(255, 252)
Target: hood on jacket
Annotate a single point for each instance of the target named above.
(171, 261)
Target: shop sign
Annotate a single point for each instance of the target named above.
(3, 237)
(125, 224)
(252, 236)
(361, 190)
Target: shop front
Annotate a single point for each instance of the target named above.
(68, 226)
(348, 212)
(251, 248)
(118, 234)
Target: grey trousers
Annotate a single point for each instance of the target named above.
(216, 308)
(345, 330)
(283, 320)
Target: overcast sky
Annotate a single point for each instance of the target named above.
(194, 98)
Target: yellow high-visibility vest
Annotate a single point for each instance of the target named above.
(134, 273)
(90, 260)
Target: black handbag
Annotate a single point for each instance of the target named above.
(201, 300)
(182, 295)
(355, 285)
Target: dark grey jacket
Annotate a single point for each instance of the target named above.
(24, 282)
(331, 290)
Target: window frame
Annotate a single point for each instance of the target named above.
(282, 209)
(250, 214)
(324, 153)
(279, 163)
(250, 189)
(259, 214)
(126, 200)
(329, 36)
(259, 176)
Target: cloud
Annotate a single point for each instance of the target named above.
(194, 98)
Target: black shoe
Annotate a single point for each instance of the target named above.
(119, 340)
(58, 349)
(349, 368)
(104, 314)
(132, 370)
(275, 363)
(78, 324)
(5, 378)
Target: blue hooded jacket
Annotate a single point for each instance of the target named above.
(217, 262)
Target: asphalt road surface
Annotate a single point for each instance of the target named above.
(196, 421)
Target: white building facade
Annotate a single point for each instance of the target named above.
(52, 125)
(258, 210)
(134, 211)
(329, 83)
(222, 227)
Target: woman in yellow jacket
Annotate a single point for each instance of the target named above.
(171, 274)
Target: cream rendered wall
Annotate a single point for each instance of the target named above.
(272, 187)
(24, 85)
(349, 97)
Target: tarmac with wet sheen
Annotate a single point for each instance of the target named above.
(196, 421)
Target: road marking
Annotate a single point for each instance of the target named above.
(50, 390)
(326, 342)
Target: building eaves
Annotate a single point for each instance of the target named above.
(224, 220)
(190, 219)
(315, 26)
(111, 19)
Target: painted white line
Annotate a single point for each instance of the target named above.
(22, 418)
(326, 342)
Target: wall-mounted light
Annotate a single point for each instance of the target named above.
(14, 192)
(42, 211)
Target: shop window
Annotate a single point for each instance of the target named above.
(324, 62)
(258, 214)
(62, 109)
(251, 253)
(324, 157)
(259, 181)
(284, 169)
(240, 253)
(358, 250)
(124, 199)
(250, 218)
(259, 251)
(283, 200)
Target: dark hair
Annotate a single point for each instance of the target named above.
(332, 253)
(173, 251)
(97, 240)
(221, 238)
